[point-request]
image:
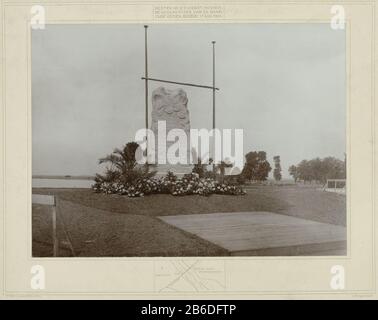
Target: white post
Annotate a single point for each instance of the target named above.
(51, 201)
(54, 235)
(55, 244)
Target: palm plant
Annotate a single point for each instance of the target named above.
(124, 167)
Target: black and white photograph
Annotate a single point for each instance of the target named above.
(189, 140)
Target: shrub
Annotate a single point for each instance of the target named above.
(126, 177)
(169, 184)
(199, 168)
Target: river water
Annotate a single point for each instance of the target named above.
(61, 183)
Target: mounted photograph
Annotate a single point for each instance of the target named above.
(188, 140)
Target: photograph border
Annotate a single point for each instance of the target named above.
(129, 259)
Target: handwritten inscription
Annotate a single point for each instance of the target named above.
(188, 12)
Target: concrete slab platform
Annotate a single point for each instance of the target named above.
(264, 233)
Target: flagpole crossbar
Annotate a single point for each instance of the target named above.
(146, 79)
(181, 83)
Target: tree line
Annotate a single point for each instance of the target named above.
(257, 168)
(318, 170)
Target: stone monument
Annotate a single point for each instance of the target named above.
(171, 108)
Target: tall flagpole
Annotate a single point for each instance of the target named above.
(213, 42)
(146, 85)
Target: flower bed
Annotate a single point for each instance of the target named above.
(170, 184)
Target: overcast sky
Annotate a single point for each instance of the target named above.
(284, 84)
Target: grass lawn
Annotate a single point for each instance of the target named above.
(112, 225)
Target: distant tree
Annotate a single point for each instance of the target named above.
(319, 170)
(316, 169)
(332, 169)
(277, 168)
(304, 171)
(293, 171)
(256, 167)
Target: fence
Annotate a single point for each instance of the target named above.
(335, 185)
